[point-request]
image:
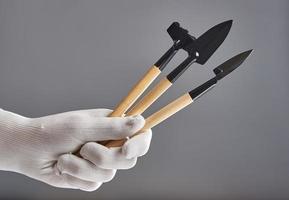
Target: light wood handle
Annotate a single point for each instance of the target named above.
(136, 91)
(150, 97)
(159, 116)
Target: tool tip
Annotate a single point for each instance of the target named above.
(243, 56)
(176, 24)
(227, 24)
(230, 21)
(249, 52)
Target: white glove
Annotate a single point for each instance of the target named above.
(41, 148)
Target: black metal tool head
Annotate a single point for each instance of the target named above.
(201, 49)
(180, 36)
(208, 43)
(230, 65)
(221, 71)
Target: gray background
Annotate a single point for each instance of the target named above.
(57, 56)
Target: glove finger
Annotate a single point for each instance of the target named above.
(138, 145)
(83, 169)
(110, 128)
(106, 158)
(81, 184)
(99, 112)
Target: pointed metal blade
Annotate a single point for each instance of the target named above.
(227, 67)
(209, 42)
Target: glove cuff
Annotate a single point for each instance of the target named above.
(12, 129)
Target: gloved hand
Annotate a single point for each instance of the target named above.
(42, 148)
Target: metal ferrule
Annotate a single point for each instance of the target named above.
(179, 70)
(202, 89)
(165, 59)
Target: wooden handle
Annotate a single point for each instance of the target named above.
(150, 97)
(136, 91)
(159, 116)
(132, 96)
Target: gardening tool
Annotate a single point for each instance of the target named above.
(199, 51)
(220, 72)
(180, 38)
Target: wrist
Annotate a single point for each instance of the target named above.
(11, 123)
(12, 129)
